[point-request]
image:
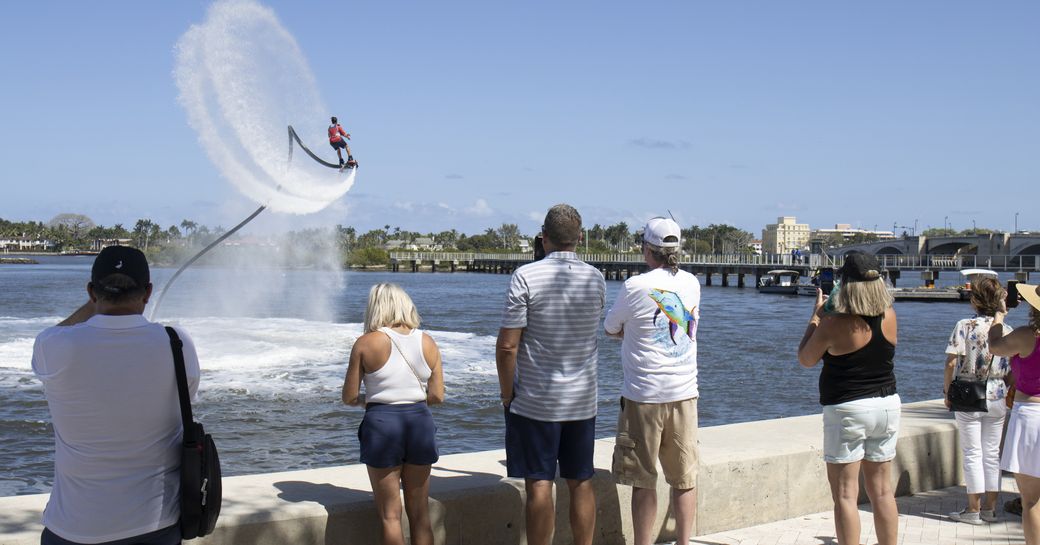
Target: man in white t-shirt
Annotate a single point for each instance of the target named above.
(656, 315)
(108, 375)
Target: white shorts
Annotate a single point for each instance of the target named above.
(1022, 442)
(864, 429)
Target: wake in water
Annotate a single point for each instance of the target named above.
(243, 80)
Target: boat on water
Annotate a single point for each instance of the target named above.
(807, 290)
(930, 293)
(781, 281)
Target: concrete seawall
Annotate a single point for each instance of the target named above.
(751, 473)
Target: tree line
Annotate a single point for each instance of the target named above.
(70, 232)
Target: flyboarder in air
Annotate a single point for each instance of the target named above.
(338, 140)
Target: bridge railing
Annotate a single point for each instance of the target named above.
(957, 262)
(629, 258)
(939, 262)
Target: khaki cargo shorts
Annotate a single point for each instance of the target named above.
(651, 431)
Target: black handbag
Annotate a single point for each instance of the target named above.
(200, 465)
(969, 396)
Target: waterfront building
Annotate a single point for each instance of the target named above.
(756, 247)
(849, 234)
(25, 244)
(785, 235)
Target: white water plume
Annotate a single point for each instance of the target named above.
(243, 80)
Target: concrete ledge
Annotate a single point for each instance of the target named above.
(751, 473)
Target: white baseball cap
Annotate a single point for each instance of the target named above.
(662, 232)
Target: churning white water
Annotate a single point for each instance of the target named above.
(243, 80)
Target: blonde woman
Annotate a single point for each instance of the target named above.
(968, 357)
(861, 408)
(1022, 444)
(400, 367)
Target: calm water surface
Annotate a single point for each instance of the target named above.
(273, 346)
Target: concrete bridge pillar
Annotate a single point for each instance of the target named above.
(433, 267)
(707, 277)
(740, 280)
(415, 266)
(725, 279)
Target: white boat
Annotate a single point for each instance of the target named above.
(782, 281)
(807, 289)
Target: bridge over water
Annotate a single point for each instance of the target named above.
(987, 245)
(722, 266)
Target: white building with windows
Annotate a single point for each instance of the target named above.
(785, 235)
(756, 247)
(849, 233)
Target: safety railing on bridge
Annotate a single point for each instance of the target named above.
(937, 262)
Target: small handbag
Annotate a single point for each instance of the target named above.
(201, 492)
(969, 396)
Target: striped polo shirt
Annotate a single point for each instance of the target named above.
(558, 301)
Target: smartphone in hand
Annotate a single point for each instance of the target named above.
(1012, 294)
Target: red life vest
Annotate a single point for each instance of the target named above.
(335, 131)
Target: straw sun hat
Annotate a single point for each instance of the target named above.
(1031, 294)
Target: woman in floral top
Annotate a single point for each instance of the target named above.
(968, 357)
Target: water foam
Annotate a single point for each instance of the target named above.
(267, 356)
(243, 80)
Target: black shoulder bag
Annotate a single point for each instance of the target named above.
(969, 396)
(200, 465)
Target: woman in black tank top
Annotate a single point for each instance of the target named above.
(856, 342)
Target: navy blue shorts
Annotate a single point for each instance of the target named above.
(339, 144)
(534, 447)
(171, 535)
(392, 435)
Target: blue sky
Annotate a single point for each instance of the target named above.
(469, 114)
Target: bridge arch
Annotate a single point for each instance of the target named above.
(889, 250)
(949, 248)
(1032, 249)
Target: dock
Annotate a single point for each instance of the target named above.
(18, 261)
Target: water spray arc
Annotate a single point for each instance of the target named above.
(162, 293)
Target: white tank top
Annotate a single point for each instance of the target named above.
(394, 382)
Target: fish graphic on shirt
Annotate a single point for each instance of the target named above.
(679, 317)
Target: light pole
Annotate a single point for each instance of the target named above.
(945, 219)
(915, 227)
(1016, 222)
(974, 230)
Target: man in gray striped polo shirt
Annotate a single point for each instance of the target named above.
(546, 356)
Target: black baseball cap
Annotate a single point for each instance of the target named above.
(124, 260)
(860, 267)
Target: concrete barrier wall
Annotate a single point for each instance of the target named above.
(751, 473)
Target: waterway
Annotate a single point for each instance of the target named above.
(274, 343)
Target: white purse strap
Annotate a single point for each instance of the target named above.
(408, 363)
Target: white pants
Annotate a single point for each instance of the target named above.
(979, 434)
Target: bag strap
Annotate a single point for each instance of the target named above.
(177, 345)
(408, 363)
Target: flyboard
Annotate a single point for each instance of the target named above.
(292, 136)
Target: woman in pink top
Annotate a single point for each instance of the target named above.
(1021, 455)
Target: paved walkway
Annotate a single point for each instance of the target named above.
(922, 519)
